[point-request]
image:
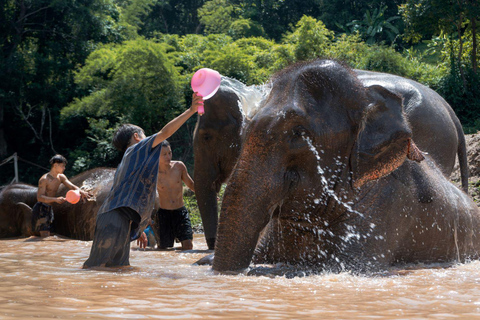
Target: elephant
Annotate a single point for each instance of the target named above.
(329, 178)
(217, 140)
(73, 221)
(218, 135)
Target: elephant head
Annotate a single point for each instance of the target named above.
(16, 201)
(320, 138)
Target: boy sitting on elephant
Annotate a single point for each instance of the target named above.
(48, 184)
(127, 209)
(172, 220)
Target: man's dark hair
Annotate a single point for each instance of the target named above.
(124, 134)
(165, 143)
(58, 158)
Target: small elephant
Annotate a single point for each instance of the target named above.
(330, 177)
(218, 136)
(73, 221)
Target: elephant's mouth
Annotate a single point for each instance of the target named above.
(413, 153)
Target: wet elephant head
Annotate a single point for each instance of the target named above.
(320, 136)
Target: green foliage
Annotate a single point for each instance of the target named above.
(75, 56)
(464, 96)
(190, 202)
(245, 28)
(376, 27)
(311, 39)
(132, 14)
(136, 80)
(428, 17)
(216, 15)
(42, 42)
(97, 150)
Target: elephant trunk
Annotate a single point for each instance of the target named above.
(207, 204)
(249, 200)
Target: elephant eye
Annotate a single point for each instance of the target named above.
(298, 131)
(297, 139)
(207, 137)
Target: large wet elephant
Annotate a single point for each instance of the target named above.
(219, 132)
(329, 178)
(73, 221)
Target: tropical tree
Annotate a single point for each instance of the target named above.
(311, 38)
(375, 26)
(216, 16)
(42, 42)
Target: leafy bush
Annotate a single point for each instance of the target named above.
(463, 96)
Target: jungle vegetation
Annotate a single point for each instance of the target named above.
(72, 71)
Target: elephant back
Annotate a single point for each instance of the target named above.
(78, 221)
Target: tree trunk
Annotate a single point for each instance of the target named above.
(474, 44)
(460, 52)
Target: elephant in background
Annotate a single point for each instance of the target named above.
(218, 136)
(16, 202)
(329, 177)
(217, 141)
(73, 221)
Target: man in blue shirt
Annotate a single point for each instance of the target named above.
(127, 209)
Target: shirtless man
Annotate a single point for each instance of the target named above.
(42, 213)
(172, 219)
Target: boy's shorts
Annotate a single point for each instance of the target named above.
(172, 224)
(42, 217)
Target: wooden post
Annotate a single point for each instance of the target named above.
(15, 166)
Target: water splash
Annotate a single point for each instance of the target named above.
(97, 182)
(324, 181)
(251, 98)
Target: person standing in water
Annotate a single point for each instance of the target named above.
(48, 184)
(127, 209)
(172, 220)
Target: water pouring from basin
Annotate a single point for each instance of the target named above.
(206, 83)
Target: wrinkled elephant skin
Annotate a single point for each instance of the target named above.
(329, 178)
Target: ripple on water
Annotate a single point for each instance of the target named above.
(46, 281)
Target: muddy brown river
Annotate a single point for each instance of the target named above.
(44, 280)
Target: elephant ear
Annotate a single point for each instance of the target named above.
(25, 217)
(384, 139)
